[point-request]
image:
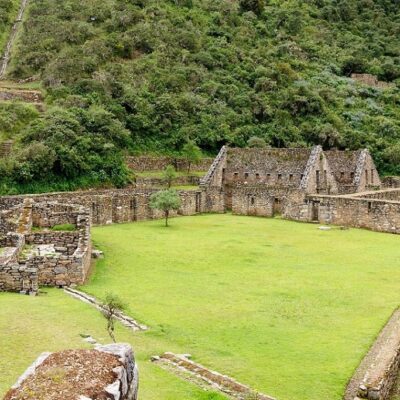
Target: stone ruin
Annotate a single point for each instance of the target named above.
(305, 184)
(105, 372)
(32, 253)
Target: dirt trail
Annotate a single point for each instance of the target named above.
(14, 31)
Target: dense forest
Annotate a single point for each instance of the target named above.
(126, 76)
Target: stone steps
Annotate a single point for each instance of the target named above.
(6, 148)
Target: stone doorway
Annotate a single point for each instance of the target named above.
(315, 211)
(277, 207)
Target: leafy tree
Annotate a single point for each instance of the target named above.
(256, 6)
(255, 141)
(192, 153)
(165, 200)
(169, 174)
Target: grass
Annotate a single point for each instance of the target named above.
(5, 29)
(31, 325)
(279, 305)
(60, 227)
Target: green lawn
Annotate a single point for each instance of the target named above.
(282, 306)
(31, 325)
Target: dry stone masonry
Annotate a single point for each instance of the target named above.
(338, 187)
(307, 184)
(33, 254)
(107, 372)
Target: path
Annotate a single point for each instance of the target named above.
(120, 316)
(14, 31)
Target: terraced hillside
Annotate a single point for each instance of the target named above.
(147, 75)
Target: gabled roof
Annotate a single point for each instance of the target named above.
(288, 161)
(343, 164)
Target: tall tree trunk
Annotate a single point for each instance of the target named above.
(166, 217)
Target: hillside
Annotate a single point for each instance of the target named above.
(143, 75)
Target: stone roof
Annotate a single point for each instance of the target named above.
(343, 164)
(271, 160)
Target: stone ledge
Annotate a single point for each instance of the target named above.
(374, 378)
(215, 380)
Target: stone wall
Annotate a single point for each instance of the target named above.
(113, 206)
(151, 183)
(45, 257)
(108, 371)
(275, 167)
(376, 375)
(153, 163)
(391, 182)
(375, 214)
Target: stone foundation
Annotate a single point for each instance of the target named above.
(115, 375)
(43, 257)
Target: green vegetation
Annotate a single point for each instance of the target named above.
(54, 321)
(279, 305)
(64, 227)
(165, 201)
(8, 11)
(282, 306)
(150, 75)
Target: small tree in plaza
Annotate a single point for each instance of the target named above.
(166, 201)
(111, 308)
(169, 175)
(192, 153)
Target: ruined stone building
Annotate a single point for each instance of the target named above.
(305, 184)
(270, 181)
(33, 254)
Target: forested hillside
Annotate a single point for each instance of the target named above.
(8, 10)
(150, 75)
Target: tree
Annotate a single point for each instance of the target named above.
(255, 141)
(165, 200)
(256, 6)
(111, 307)
(192, 153)
(169, 175)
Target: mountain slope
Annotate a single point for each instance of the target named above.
(149, 75)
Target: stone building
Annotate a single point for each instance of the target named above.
(308, 184)
(32, 253)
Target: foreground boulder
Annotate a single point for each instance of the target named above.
(106, 372)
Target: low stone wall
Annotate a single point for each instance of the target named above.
(377, 372)
(375, 214)
(108, 371)
(150, 183)
(391, 182)
(110, 206)
(152, 163)
(216, 380)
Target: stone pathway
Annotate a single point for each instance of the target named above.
(14, 31)
(121, 317)
(182, 366)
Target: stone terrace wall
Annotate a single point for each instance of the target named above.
(149, 163)
(387, 194)
(115, 206)
(391, 182)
